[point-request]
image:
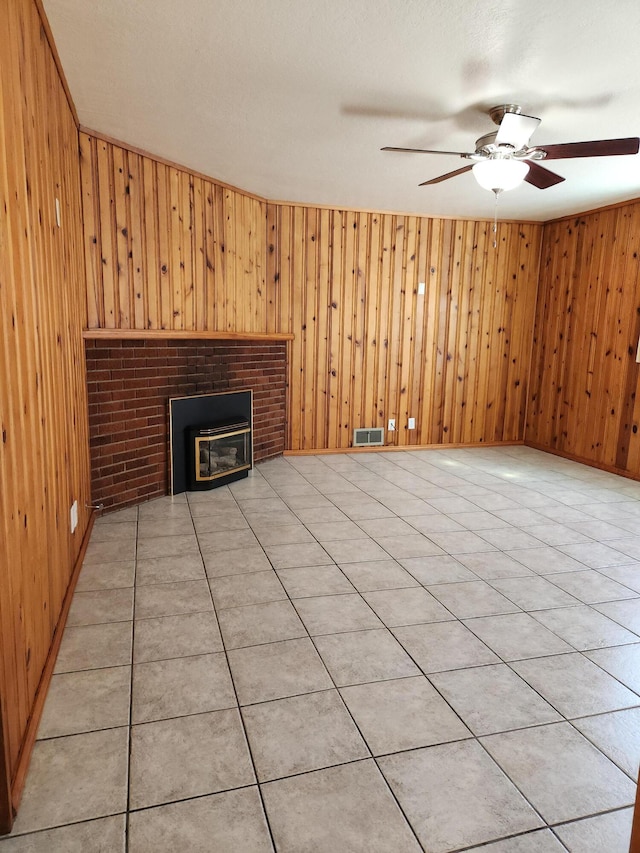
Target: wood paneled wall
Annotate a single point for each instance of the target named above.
(585, 388)
(368, 347)
(166, 249)
(43, 402)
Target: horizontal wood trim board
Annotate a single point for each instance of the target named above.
(407, 447)
(173, 335)
(41, 693)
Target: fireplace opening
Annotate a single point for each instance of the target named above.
(219, 453)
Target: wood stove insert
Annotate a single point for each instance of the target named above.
(211, 440)
(219, 453)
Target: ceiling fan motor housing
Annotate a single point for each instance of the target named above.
(496, 114)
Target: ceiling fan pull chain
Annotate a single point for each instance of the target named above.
(495, 220)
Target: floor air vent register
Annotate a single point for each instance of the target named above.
(373, 437)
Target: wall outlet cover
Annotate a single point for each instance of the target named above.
(392, 425)
(412, 423)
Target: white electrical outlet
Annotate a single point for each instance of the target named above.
(412, 423)
(421, 288)
(74, 516)
(392, 425)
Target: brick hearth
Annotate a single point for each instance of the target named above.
(130, 383)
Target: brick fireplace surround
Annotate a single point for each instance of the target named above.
(130, 383)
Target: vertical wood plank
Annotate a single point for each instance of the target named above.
(199, 253)
(165, 256)
(91, 223)
(108, 225)
(137, 235)
(119, 202)
(151, 308)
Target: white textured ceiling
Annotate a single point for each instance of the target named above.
(292, 100)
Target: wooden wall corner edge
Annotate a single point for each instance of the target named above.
(56, 58)
(29, 740)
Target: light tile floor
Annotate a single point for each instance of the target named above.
(383, 652)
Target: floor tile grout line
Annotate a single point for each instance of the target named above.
(241, 718)
(560, 824)
(543, 699)
(43, 829)
(396, 626)
(564, 718)
(194, 797)
(133, 638)
(512, 781)
(498, 516)
(476, 532)
(421, 674)
(502, 839)
(460, 719)
(633, 777)
(557, 838)
(550, 826)
(357, 727)
(532, 613)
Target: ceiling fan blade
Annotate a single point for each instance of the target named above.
(540, 177)
(599, 148)
(426, 151)
(516, 129)
(446, 177)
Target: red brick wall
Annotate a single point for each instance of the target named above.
(130, 383)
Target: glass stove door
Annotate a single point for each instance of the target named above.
(221, 454)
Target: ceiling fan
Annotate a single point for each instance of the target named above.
(504, 158)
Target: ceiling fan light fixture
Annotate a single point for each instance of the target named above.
(500, 174)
